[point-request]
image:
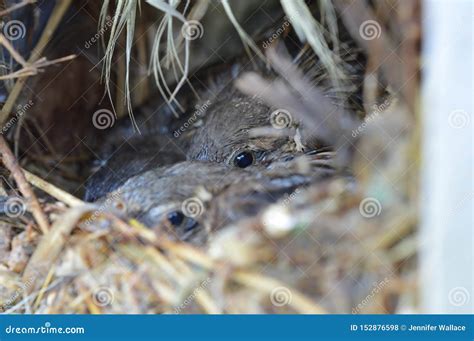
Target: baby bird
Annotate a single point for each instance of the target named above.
(191, 199)
(225, 127)
(127, 153)
(134, 156)
(225, 135)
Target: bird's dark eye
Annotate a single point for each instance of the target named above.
(244, 159)
(176, 218)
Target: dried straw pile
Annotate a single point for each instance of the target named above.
(342, 246)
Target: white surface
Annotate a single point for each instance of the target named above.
(446, 237)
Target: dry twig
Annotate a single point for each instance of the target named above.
(54, 20)
(52, 190)
(16, 6)
(11, 163)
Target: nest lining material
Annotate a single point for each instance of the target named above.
(328, 258)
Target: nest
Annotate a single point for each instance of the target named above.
(339, 246)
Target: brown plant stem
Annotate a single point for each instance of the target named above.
(11, 163)
(54, 20)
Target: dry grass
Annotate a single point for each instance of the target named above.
(335, 254)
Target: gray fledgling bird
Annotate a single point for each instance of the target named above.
(191, 199)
